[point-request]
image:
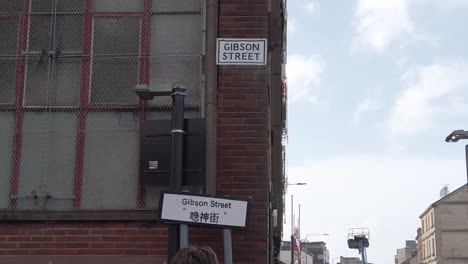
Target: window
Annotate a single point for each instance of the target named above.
(54, 53)
(425, 250)
(115, 60)
(9, 35)
(423, 226)
(432, 218)
(429, 251)
(433, 246)
(176, 45)
(79, 116)
(118, 6)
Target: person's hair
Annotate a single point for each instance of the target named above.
(195, 255)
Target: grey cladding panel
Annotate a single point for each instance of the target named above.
(7, 80)
(48, 159)
(118, 5)
(111, 161)
(6, 144)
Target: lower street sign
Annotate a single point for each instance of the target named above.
(204, 210)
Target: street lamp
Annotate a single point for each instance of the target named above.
(457, 135)
(298, 183)
(324, 234)
(454, 137)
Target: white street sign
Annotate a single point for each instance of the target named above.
(188, 208)
(241, 51)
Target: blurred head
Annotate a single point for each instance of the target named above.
(195, 255)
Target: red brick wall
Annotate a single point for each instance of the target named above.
(82, 239)
(243, 128)
(144, 242)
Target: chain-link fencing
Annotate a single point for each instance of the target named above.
(69, 118)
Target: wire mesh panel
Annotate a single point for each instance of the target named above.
(52, 82)
(7, 80)
(53, 34)
(9, 29)
(113, 80)
(8, 44)
(113, 6)
(176, 46)
(11, 6)
(69, 117)
(57, 6)
(178, 69)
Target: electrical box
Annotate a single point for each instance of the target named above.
(156, 147)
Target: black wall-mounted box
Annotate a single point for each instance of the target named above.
(155, 159)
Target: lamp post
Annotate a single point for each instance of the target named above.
(177, 233)
(292, 220)
(324, 234)
(298, 183)
(454, 137)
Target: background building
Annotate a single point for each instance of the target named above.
(413, 260)
(444, 232)
(349, 260)
(70, 124)
(406, 253)
(419, 243)
(285, 254)
(318, 250)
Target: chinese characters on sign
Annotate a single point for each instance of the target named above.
(202, 217)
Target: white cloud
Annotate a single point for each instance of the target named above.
(312, 7)
(370, 103)
(304, 74)
(431, 94)
(379, 23)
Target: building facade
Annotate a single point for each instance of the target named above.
(406, 253)
(349, 260)
(413, 260)
(419, 243)
(444, 230)
(285, 254)
(318, 250)
(70, 124)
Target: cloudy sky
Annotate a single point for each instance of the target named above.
(374, 88)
